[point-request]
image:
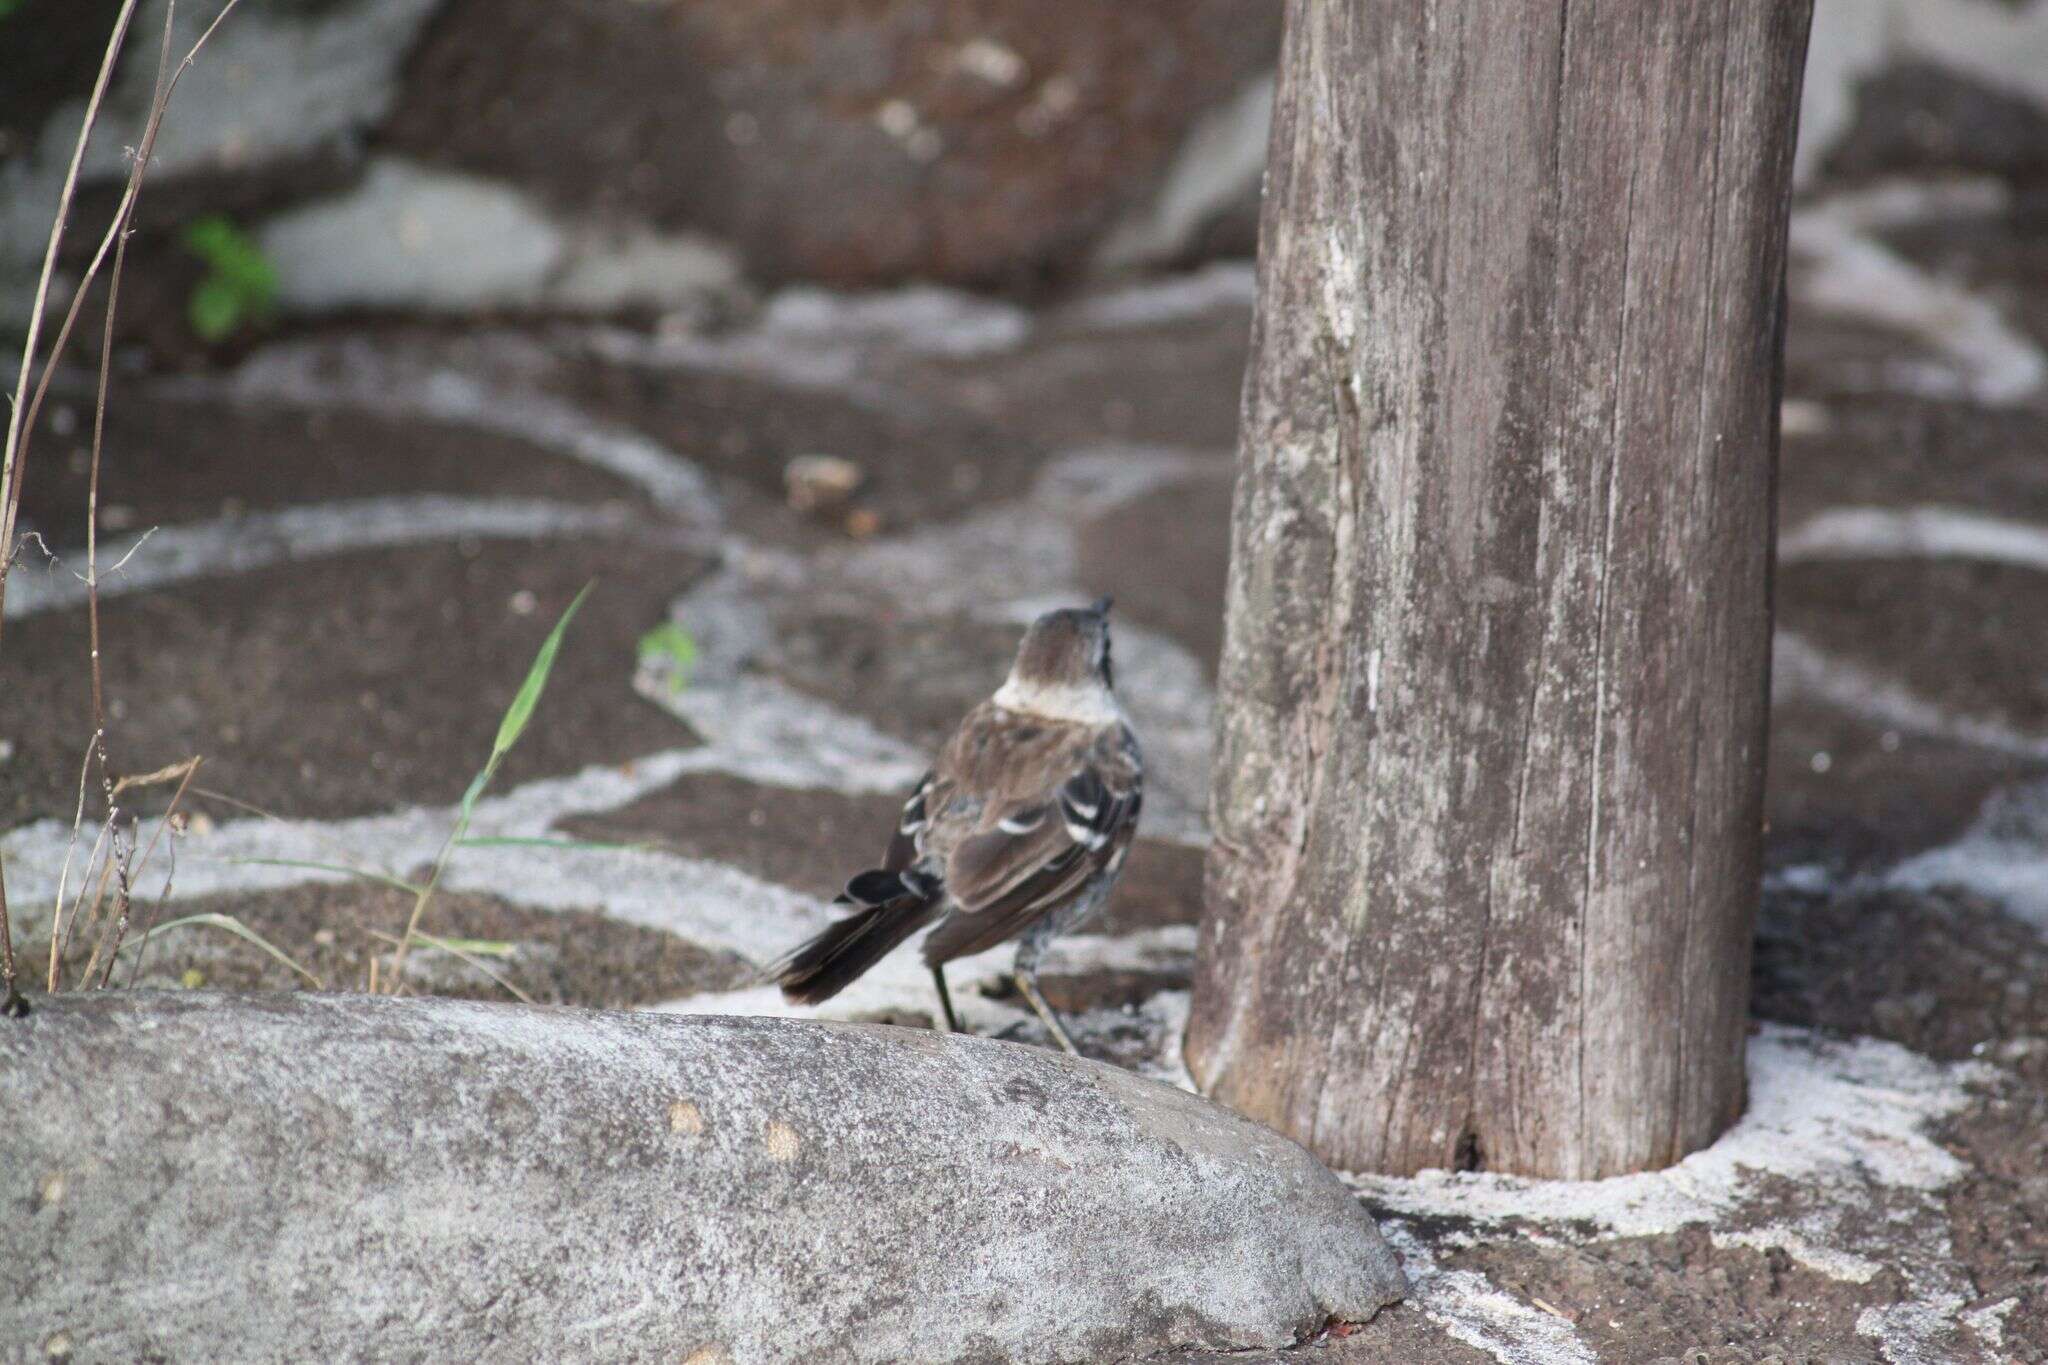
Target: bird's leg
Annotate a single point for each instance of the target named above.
(946, 999)
(1027, 982)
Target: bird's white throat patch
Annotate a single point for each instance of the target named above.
(1087, 704)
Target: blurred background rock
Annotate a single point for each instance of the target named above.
(603, 156)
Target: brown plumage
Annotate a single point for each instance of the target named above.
(1018, 832)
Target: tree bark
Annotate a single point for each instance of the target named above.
(1488, 792)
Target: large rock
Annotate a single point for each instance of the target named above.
(591, 155)
(967, 141)
(325, 1177)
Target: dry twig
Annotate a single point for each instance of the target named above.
(23, 411)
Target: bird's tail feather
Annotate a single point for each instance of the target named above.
(889, 907)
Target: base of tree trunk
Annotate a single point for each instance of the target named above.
(1488, 794)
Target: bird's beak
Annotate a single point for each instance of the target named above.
(1101, 605)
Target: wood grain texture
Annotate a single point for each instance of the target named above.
(1488, 792)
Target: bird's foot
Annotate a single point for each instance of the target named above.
(1027, 982)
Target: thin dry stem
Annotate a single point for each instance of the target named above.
(156, 912)
(177, 772)
(58, 932)
(160, 98)
(184, 772)
(117, 230)
(123, 890)
(469, 958)
(10, 495)
(71, 846)
(11, 1003)
(21, 423)
(35, 537)
(140, 541)
(83, 921)
(13, 460)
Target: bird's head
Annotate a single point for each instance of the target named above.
(1063, 669)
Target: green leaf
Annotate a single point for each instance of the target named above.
(215, 309)
(521, 709)
(672, 647)
(240, 285)
(233, 926)
(208, 237)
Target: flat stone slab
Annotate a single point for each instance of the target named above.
(197, 1176)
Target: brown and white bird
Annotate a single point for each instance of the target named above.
(1017, 832)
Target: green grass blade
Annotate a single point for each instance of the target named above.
(469, 951)
(509, 730)
(359, 873)
(477, 947)
(471, 796)
(521, 709)
(233, 926)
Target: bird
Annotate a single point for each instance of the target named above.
(1018, 831)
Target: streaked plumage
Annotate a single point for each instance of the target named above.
(1018, 831)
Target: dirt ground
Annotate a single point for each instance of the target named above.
(362, 532)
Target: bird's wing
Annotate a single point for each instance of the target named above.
(904, 844)
(1037, 847)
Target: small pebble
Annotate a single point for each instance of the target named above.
(897, 118)
(821, 483)
(994, 62)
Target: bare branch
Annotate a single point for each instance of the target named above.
(10, 487)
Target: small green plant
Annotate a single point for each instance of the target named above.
(8, 7)
(517, 716)
(240, 285)
(670, 649)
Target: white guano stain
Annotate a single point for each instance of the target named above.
(1844, 1125)
(1923, 532)
(1800, 669)
(358, 374)
(1472, 1309)
(2002, 857)
(169, 555)
(1849, 273)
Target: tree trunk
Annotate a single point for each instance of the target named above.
(1489, 778)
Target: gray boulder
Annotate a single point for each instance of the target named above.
(194, 1176)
